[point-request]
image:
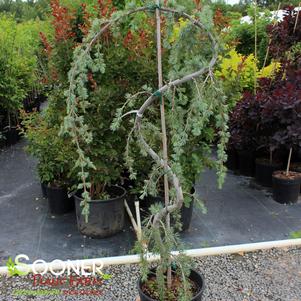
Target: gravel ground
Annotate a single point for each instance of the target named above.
(262, 276)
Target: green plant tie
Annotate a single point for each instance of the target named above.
(159, 95)
(154, 6)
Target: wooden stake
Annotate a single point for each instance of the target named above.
(297, 18)
(289, 161)
(255, 48)
(135, 226)
(138, 218)
(270, 40)
(163, 125)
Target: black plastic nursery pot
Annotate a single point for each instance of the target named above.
(265, 170)
(286, 189)
(11, 136)
(194, 276)
(58, 200)
(186, 212)
(232, 160)
(106, 217)
(297, 168)
(44, 189)
(246, 163)
(2, 142)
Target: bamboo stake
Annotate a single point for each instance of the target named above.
(289, 161)
(270, 40)
(255, 48)
(163, 125)
(135, 226)
(139, 234)
(297, 18)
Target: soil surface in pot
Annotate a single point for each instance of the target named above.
(292, 175)
(150, 288)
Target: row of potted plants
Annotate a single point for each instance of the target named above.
(10, 123)
(265, 135)
(265, 124)
(18, 73)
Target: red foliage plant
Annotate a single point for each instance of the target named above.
(47, 47)
(198, 4)
(220, 21)
(86, 24)
(69, 28)
(62, 21)
(106, 8)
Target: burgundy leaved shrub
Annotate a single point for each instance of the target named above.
(271, 119)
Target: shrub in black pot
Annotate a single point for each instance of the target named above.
(58, 200)
(286, 184)
(287, 134)
(100, 213)
(286, 187)
(54, 154)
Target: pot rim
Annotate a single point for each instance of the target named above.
(296, 178)
(263, 161)
(118, 198)
(54, 187)
(200, 293)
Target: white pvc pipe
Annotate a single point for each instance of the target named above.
(132, 259)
